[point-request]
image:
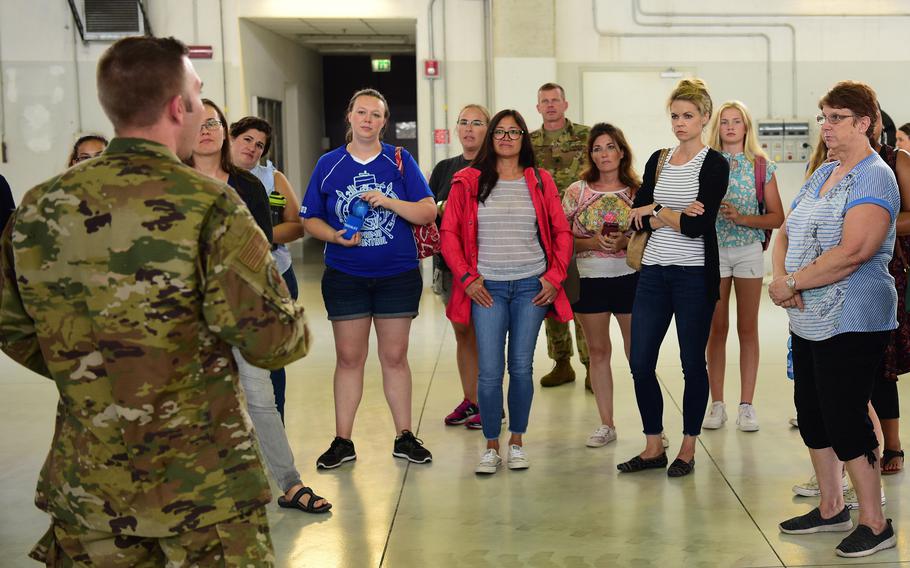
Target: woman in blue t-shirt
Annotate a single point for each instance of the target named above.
(830, 265)
(371, 276)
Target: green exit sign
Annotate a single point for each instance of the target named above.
(382, 64)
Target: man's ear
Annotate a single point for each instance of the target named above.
(176, 109)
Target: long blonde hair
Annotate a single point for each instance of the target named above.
(819, 156)
(751, 147)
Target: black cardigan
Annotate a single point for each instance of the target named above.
(712, 186)
(6, 202)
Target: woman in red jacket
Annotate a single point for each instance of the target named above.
(507, 241)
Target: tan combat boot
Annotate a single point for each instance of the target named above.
(561, 374)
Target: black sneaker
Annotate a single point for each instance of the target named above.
(812, 522)
(339, 452)
(411, 448)
(863, 542)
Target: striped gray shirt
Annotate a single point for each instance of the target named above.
(507, 241)
(676, 189)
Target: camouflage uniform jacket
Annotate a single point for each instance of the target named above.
(565, 157)
(126, 280)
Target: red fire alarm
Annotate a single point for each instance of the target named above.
(200, 51)
(431, 68)
(441, 136)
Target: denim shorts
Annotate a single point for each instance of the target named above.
(350, 297)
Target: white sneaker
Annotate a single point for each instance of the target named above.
(747, 421)
(717, 415)
(489, 462)
(810, 488)
(601, 437)
(850, 500)
(664, 440)
(517, 458)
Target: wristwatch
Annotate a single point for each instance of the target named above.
(657, 209)
(791, 283)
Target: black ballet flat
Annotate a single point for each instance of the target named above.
(639, 463)
(680, 468)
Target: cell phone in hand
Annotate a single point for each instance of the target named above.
(609, 228)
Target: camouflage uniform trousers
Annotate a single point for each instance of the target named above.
(243, 541)
(559, 341)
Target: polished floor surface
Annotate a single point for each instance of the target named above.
(570, 509)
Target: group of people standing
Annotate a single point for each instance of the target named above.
(183, 304)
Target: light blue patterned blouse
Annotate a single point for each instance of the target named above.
(741, 193)
(866, 300)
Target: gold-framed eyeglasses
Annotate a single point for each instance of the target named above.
(513, 133)
(211, 124)
(833, 118)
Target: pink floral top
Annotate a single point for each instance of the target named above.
(587, 211)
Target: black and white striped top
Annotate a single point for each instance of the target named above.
(676, 189)
(507, 242)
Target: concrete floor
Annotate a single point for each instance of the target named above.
(570, 509)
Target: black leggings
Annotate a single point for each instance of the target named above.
(885, 400)
(833, 382)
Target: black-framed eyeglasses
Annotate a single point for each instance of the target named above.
(211, 124)
(832, 118)
(474, 123)
(514, 133)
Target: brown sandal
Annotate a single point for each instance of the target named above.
(889, 456)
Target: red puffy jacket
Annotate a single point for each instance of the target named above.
(459, 239)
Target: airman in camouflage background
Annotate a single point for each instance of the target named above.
(126, 280)
(559, 147)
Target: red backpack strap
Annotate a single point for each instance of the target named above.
(761, 169)
(398, 160)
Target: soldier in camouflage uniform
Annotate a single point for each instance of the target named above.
(559, 147)
(126, 280)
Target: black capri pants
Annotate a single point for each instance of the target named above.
(833, 382)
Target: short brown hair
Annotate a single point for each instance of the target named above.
(253, 123)
(550, 87)
(136, 78)
(857, 97)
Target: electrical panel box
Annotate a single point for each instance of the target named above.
(785, 141)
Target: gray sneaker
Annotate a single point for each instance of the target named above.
(851, 501)
(812, 522)
(489, 462)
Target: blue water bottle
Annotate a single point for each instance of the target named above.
(790, 357)
(354, 221)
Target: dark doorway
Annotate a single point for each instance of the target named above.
(345, 74)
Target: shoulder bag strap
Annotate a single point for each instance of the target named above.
(761, 169)
(660, 164)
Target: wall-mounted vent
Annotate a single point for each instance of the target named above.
(106, 20)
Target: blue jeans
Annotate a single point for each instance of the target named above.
(273, 440)
(512, 313)
(279, 377)
(665, 292)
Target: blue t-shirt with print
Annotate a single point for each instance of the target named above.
(387, 244)
(741, 193)
(866, 300)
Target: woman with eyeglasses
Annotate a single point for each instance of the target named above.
(741, 235)
(212, 157)
(677, 203)
(598, 207)
(85, 148)
(507, 241)
(363, 200)
(830, 265)
(471, 127)
(251, 137)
